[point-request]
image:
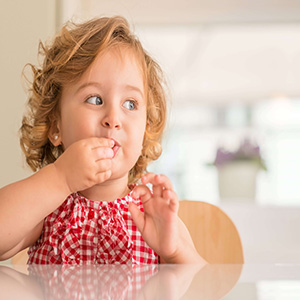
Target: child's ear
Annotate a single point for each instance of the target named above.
(54, 134)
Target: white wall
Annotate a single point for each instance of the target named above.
(22, 25)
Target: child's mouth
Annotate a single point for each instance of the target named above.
(116, 147)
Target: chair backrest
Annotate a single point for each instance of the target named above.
(214, 234)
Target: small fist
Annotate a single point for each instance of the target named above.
(86, 163)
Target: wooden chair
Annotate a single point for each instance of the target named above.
(214, 234)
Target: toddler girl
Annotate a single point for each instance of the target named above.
(96, 115)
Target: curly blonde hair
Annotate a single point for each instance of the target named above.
(65, 60)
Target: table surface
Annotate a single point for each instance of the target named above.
(263, 281)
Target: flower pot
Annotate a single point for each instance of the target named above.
(237, 180)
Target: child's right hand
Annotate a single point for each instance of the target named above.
(85, 163)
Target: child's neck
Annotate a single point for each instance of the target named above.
(108, 191)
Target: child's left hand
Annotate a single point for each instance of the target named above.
(159, 224)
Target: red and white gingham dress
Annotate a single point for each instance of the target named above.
(83, 231)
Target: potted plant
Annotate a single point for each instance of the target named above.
(237, 171)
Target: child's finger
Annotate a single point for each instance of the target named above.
(156, 188)
(171, 196)
(155, 179)
(159, 183)
(97, 142)
(164, 181)
(103, 165)
(142, 192)
(103, 153)
(150, 178)
(137, 216)
(103, 176)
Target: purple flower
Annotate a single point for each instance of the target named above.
(246, 151)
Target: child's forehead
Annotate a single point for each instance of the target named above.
(119, 56)
(119, 66)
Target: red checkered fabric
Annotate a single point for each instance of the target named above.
(82, 231)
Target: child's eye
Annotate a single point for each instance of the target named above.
(94, 100)
(130, 104)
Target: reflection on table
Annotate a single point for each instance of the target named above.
(118, 281)
(150, 282)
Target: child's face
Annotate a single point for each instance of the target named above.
(108, 101)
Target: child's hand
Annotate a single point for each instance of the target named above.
(85, 163)
(159, 222)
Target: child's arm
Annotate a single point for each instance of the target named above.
(160, 225)
(24, 204)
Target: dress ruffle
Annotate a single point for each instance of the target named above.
(82, 231)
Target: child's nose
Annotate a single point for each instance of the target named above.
(111, 120)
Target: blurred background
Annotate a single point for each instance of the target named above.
(233, 72)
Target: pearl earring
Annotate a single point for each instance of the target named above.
(55, 137)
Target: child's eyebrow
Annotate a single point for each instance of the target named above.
(134, 88)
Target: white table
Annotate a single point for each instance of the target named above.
(261, 281)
